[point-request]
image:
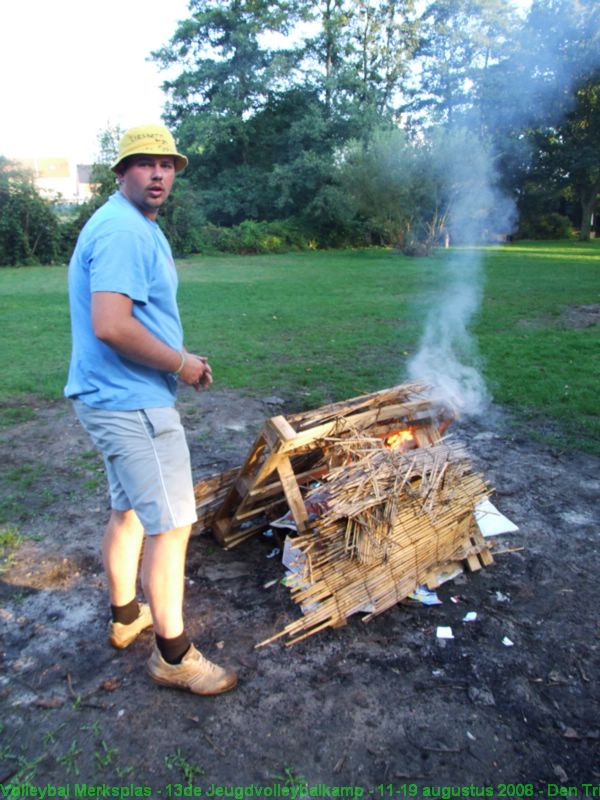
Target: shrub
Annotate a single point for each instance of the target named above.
(29, 229)
(73, 223)
(252, 237)
(545, 226)
(182, 219)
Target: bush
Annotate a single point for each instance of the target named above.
(251, 237)
(72, 224)
(29, 229)
(545, 226)
(182, 218)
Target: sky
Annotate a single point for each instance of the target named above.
(70, 68)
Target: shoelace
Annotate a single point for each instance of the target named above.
(208, 665)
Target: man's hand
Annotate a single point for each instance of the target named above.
(196, 371)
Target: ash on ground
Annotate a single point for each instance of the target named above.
(363, 705)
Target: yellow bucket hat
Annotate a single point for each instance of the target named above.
(149, 140)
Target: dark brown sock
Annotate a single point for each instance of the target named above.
(126, 614)
(173, 650)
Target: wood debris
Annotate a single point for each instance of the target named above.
(372, 523)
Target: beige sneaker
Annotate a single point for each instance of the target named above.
(195, 673)
(121, 636)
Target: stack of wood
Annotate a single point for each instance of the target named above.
(379, 501)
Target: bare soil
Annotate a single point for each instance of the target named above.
(365, 705)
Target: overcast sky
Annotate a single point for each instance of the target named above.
(70, 67)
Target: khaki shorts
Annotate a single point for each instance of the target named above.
(147, 463)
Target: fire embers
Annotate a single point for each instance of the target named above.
(401, 440)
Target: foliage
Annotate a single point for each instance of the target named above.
(379, 180)
(226, 71)
(569, 153)
(548, 134)
(29, 230)
(182, 218)
(252, 238)
(459, 40)
(359, 58)
(545, 226)
(416, 194)
(262, 125)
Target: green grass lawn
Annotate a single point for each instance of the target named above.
(327, 325)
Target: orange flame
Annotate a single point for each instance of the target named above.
(400, 440)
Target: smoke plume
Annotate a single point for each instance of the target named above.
(447, 358)
(558, 48)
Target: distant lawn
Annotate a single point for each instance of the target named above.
(317, 326)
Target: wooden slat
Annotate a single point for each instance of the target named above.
(276, 488)
(292, 493)
(278, 429)
(402, 393)
(473, 563)
(403, 412)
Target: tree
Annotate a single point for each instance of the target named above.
(28, 226)
(358, 58)
(581, 150)
(102, 177)
(460, 40)
(415, 193)
(548, 132)
(228, 76)
(262, 125)
(227, 73)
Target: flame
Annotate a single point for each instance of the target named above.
(400, 440)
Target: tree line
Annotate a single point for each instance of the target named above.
(323, 123)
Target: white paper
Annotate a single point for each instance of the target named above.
(294, 560)
(491, 522)
(444, 632)
(507, 642)
(423, 595)
(470, 616)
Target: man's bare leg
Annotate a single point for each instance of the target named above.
(175, 661)
(163, 571)
(121, 550)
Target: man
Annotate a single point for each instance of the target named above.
(127, 357)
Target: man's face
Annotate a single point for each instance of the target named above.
(147, 182)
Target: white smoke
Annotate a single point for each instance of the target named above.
(447, 358)
(559, 47)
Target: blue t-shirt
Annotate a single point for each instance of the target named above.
(121, 250)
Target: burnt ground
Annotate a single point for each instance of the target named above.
(368, 704)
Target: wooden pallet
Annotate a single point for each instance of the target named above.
(290, 453)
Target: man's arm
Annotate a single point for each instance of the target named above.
(114, 324)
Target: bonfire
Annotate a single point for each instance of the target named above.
(378, 501)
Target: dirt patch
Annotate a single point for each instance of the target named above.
(364, 705)
(579, 316)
